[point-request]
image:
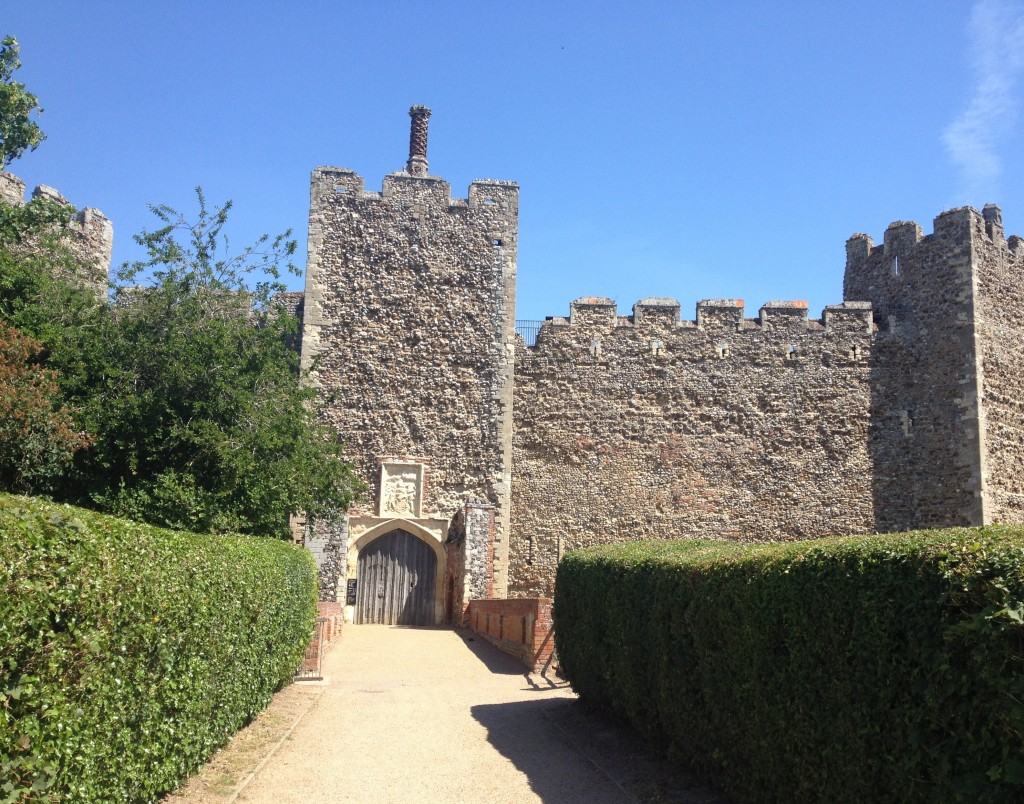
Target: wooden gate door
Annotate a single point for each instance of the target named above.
(397, 572)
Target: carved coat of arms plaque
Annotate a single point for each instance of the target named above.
(401, 489)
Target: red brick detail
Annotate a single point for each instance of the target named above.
(490, 557)
(334, 614)
(521, 627)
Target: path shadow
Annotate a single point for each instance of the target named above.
(500, 662)
(525, 732)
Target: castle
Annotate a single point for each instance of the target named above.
(487, 457)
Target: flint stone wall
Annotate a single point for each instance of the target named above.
(409, 325)
(925, 415)
(649, 427)
(899, 408)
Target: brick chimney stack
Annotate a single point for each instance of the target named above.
(417, 164)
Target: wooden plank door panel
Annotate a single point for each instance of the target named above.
(397, 572)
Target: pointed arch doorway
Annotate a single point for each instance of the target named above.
(397, 580)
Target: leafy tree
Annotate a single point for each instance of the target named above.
(37, 436)
(43, 315)
(40, 288)
(186, 385)
(18, 131)
(194, 397)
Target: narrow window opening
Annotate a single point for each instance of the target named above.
(489, 202)
(656, 348)
(896, 265)
(855, 352)
(723, 350)
(791, 354)
(595, 348)
(907, 419)
(496, 243)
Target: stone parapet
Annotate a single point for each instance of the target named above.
(716, 319)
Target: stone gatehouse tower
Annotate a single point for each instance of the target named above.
(409, 328)
(901, 407)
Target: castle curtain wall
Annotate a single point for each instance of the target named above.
(89, 235)
(899, 408)
(725, 427)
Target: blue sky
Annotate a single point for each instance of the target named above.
(685, 149)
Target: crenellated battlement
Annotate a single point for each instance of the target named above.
(912, 276)
(341, 185)
(716, 318)
(900, 237)
(869, 266)
(92, 234)
(656, 312)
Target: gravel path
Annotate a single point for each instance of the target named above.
(432, 715)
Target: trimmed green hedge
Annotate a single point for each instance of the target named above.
(129, 653)
(880, 668)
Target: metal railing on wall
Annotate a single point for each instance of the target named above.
(528, 330)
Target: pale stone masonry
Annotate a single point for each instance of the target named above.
(899, 408)
(90, 234)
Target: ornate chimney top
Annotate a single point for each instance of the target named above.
(417, 164)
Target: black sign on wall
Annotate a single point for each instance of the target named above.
(350, 595)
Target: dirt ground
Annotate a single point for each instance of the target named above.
(424, 715)
(220, 779)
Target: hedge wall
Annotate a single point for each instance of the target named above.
(881, 668)
(129, 653)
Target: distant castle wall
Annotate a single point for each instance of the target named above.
(90, 234)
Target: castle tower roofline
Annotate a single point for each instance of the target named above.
(867, 265)
(900, 237)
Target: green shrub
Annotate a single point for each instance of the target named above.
(129, 653)
(880, 668)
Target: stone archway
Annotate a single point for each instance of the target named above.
(397, 580)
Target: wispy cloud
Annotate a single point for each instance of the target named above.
(997, 59)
